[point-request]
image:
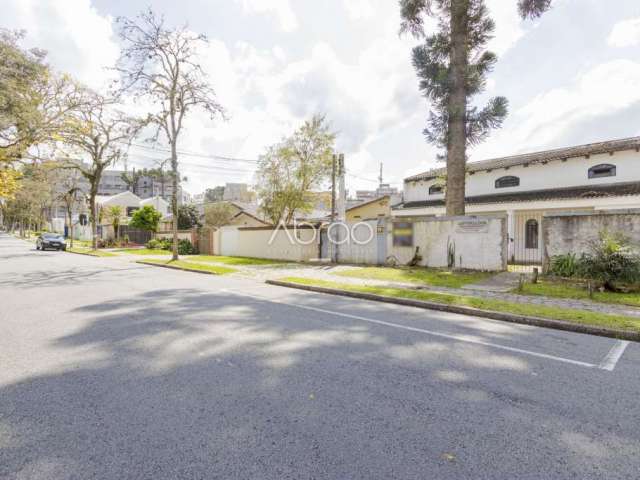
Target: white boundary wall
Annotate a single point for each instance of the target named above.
(478, 243)
(257, 242)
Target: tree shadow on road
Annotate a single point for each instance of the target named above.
(186, 383)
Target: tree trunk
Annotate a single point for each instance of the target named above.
(94, 219)
(457, 108)
(174, 198)
(70, 218)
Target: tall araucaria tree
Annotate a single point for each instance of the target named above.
(452, 65)
(161, 64)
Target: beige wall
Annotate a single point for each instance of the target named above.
(379, 208)
(263, 243)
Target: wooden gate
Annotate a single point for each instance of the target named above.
(205, 241)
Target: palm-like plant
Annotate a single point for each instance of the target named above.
(114, 214)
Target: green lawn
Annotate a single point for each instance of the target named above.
(426, 276)
(182, 264)
(233, 260)
(560, 289)
(143, 251)
(543, 311)
(88, 251)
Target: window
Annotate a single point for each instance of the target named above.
(505, 182)
(435, 189)
(531, 234)
(130, 210)
(604, 170)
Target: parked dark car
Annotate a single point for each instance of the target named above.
(51, 240)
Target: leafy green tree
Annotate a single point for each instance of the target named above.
(288, 171)
(188, 217)
(34, 101)
(452, 65)
(132, 178)
(146, 218)
(218, 214)
(214, 194)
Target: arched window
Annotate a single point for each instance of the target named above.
(531, 234)
(603, 170)
(505, 182)
(435, 189)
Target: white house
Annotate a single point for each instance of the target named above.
(598, 176)
(159, 203)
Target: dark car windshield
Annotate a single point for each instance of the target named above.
(51, 236)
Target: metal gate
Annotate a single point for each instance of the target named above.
(526, 246)
(381, 241)
(135, 234)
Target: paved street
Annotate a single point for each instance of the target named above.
(114, 370)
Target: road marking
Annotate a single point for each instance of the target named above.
(611, 360)
(458, 338)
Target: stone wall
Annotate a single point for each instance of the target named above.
(572, 233)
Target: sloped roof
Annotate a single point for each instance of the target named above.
(586, 191)
(539, 157)
(367, 202)
(152, 200)
(102, 199)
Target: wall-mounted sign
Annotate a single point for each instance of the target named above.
(472, 226)
(403, 234)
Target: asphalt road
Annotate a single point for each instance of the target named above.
(113, 370)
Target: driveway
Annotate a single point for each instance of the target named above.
(115, 370)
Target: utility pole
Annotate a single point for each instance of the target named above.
(342, 192)
(380, 177)
(333, 188)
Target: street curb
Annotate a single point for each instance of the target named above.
(505, 317)
(193, 270)
(85, 254)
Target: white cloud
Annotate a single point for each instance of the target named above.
(509, 27)
(78, 39)
(606, 89)
(625, 33)
(359, 9)
(280, 8)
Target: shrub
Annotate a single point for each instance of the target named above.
(611, 261)
(159, 244)
(153, 244)
(185, 247)
(567, 265)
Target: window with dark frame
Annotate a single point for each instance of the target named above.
(505, 182)
(531, 234)
(435, 189)
(603, 170)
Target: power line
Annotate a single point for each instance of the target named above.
(194, 154)
(194, 165)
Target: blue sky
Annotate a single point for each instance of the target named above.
(571, 77)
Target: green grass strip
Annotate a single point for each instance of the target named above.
(542, 311)
(234, 260)
(184, 265)
(577, 292)
(143, 251)
(425, 276)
